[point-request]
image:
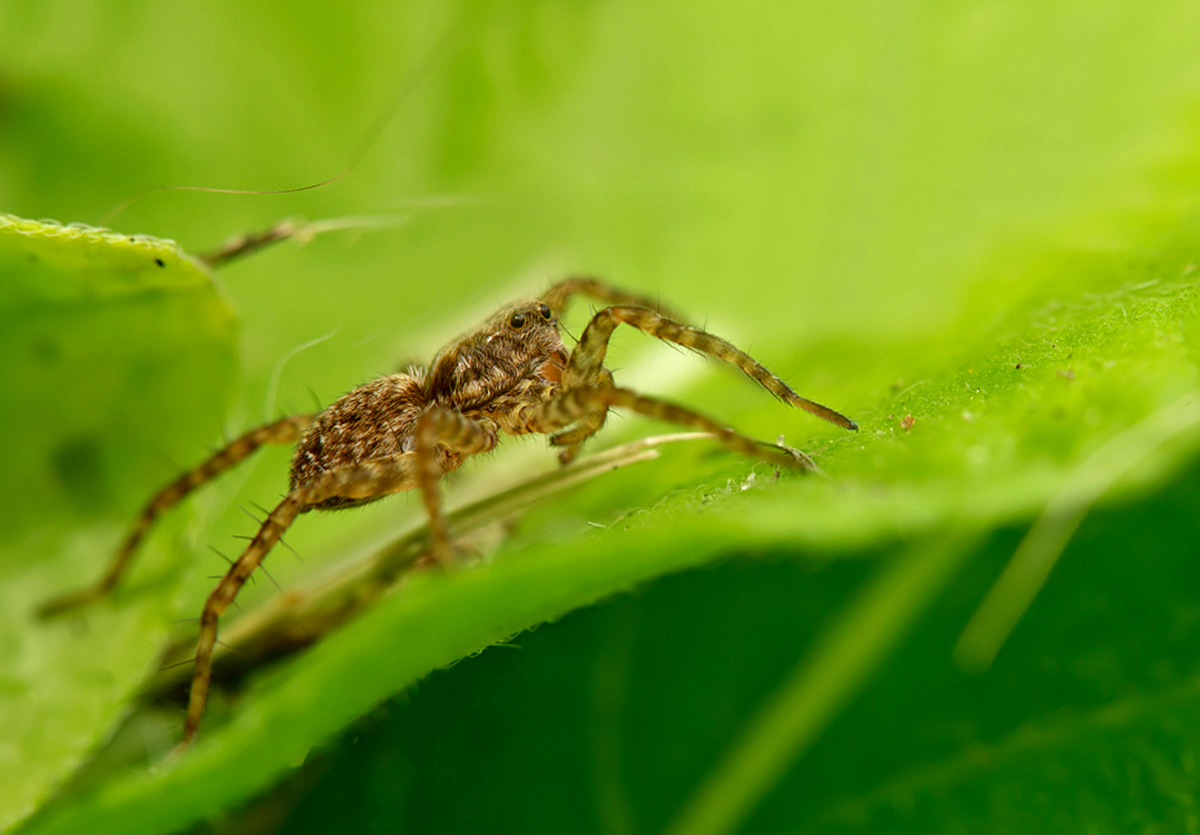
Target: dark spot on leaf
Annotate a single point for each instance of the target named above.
(159, 261)
(79, 465)
(46, 351)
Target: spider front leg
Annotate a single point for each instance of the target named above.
(559, 294)
(284, 431)
(460, 436)
(585, 368)
(579, 405)
(587, 426)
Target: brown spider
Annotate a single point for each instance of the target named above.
(510, 375)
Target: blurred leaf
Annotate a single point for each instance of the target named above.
(115, 347)
(1039, 417)
(607, 721)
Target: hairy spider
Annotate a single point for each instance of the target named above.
(512, 375)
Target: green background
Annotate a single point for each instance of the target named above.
(983, 215)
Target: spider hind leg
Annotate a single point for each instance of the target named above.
(284, 431)
(368, 479)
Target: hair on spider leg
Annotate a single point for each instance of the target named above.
(317, 401)
(229, 560)
(295, 553)
(263, 568)
(180, 663)
(567, 331)
(256, 519)
(192, 660)
(391, 428)
(260, 509)
(274, 582)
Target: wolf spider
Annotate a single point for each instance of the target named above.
(512, 375)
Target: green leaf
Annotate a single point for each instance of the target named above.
(114, 345)
(982, 217)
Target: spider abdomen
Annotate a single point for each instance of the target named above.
(372, 422)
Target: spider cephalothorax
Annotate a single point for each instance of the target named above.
(489, 375)
(519, 349)
(510, 376)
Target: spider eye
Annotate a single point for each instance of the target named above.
(544, 309)
(517, 321)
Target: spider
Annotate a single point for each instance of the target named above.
(511, 375)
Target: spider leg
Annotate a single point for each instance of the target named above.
(369, 479)
(587, 360)
(439, 427)
(572, 407)
(587, 426)
(438, 432)
(560, 293)
(284, 431)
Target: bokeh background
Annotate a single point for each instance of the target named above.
(877, 199)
